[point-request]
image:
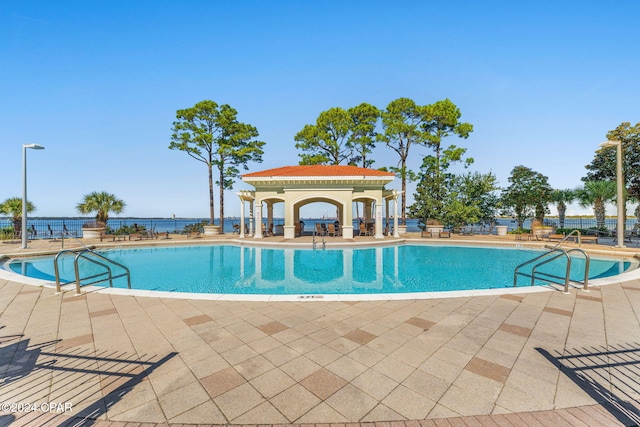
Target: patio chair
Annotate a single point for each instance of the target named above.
(371, 226)
(332, 230)
(298, 229)
(364, 231)
(236, 228)
(319, 229)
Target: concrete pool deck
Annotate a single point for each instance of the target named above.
(542, 358)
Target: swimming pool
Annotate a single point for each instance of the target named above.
(230, 269)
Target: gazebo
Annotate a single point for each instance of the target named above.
(296, 186)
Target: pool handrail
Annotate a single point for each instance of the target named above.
(105, 263)
(562, 252)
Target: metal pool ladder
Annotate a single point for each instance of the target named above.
(313, 237)
(95, 258)
(554, 253)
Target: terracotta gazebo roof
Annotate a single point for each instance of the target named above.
(318, 171)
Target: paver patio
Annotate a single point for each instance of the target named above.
(542, 358)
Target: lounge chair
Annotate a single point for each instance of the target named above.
(332, 230)
(634, 232)
(67, 232)
(52, 235)
(319, 229)
(297, 231)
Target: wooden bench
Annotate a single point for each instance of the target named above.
(164, 235)
(589, 239)
(104, 237)
(426, 233)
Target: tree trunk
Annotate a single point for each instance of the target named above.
(221, 201)
(562, 209)
(599, 211)
(403, 203)
(210, 194)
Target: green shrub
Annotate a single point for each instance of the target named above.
(6, 233)
(197, 227)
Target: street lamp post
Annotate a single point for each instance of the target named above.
(24, 190)
(619, 190)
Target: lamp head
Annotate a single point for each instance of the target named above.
(609, 144)
(34, 146)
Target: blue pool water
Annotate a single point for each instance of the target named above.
(227, 269)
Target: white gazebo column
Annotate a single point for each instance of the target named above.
(346, 220)
(386, 214)
(251, 204)
(241, 218)
(367, 211)
(270, 215)
(395, 215)
(290, 219)
(378, 207)
(258, 221)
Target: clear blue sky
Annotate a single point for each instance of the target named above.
(98, 84)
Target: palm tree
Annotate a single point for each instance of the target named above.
(102, 203)
(13, 207)
(596, 194)
(561, 198)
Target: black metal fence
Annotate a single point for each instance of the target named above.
(44, 228)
